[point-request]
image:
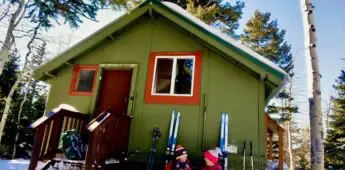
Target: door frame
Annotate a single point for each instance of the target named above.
(132, 92)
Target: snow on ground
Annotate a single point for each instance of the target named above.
(23, 164)
(15, 164)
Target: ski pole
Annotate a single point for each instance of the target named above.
(167, 153)
(251, 154)
(156, 134)
(226, 132)
(244, 155)
(150, 155)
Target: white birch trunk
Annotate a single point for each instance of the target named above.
(9, 38)
(7, 107)
(316, 129)
(20, 77)
(18, 121)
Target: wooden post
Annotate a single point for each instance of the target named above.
(55, 137)
(36, 149)
(270, 151)
(281, 148)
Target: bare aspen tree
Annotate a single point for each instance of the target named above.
(35, 61)
(316, 129)
(21, 75)
(8, 42)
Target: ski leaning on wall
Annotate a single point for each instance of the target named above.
(172, 138)
(223, 142)
(244, 155)
(251, 155)
(155, 136)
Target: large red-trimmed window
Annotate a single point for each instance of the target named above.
(174, 78)
(83, 80)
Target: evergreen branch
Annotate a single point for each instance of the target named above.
(82, 14)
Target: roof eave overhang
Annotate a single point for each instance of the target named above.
(45, 71)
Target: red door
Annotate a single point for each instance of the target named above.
(114, 91)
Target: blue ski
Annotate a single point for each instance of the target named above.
(175, 134)
(174, 124)
(221, 142)
(155, 136)
(170, 133)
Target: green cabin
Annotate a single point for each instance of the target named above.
(147, 63)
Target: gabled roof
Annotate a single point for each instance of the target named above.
(233, 48)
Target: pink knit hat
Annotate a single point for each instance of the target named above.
(212, 155)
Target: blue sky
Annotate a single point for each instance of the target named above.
(330, 32)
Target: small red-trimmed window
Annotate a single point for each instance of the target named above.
(83, 80)
(174, 78)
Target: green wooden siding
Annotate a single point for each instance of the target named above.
(226, 87)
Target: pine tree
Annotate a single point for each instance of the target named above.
(32, 109)
(335, 141)
(222, 15)
(262, 35)
(7, 79)
(29, 92)
(22, 114)
(302, 149)
(8, 76)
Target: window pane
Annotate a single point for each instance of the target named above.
(184, 76)
(163, 75)
(84, 82)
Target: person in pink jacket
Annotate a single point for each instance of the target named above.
(211, 158)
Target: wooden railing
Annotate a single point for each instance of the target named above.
(273, 127)
(48, 131)
(109, 135)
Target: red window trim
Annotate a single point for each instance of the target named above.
(76, 70)
(183, 100)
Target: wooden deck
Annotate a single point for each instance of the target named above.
(101, 134)
(271, 128)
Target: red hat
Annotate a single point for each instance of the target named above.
(180, 152)
(212, 155)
